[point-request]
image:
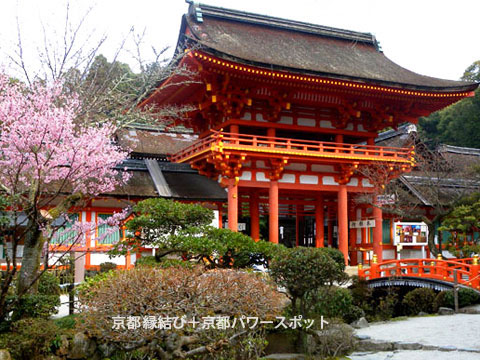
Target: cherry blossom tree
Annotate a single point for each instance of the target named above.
(48, 163)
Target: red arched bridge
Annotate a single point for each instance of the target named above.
(437, 273)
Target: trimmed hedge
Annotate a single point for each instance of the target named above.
(419, 300)
(336, 302)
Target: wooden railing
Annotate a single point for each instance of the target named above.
(275, 145)
(466, 270)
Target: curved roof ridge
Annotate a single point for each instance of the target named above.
(198, 10)
(459, 149)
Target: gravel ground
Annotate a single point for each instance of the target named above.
(460, 331)
(417, 355)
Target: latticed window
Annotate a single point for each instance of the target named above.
(66, 235)
(112, 236)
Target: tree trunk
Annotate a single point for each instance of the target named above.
(32, 251)
(34, 240)
(431, 234)
(431, 239)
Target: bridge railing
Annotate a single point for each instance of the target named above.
(467, 270)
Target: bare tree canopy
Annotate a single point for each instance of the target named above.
(109, 90)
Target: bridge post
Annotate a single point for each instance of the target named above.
(374, 267)
(474, 273)
(361, 271)
(441, 267)
(455, 289)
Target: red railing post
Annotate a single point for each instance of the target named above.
(440, 268)
(374, 267)
(474, 273)
(361, 271)
(420, 268)
(433, 269)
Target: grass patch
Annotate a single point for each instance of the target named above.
(66, 322)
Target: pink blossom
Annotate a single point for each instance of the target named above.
(41, 147)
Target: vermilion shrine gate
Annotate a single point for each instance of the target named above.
(287, 116)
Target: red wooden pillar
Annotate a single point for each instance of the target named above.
(232, 205)
(330, 231)
(353, 239)
(298, 218)
(254, 218)
(377, 233)
(343, 222)
(319, 235)
(297, 227)
(220, 215)
(273, 211)
(364, 234)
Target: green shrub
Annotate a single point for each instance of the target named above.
(439, 300)
(362, 296)
(29, 338)
(336, 255)
(49, 284)
(146, 261)
(107, 266)
(336, 302)
(66, 322)
(43, 304)
(94, 282)
(302, 271)
(419, 300)
(386, 307)
(466, 297)
(34, 306)
(151, 261)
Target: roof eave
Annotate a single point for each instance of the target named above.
(465, 88)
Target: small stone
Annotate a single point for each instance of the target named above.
(447, 348)
(106, 349)
(445, 311)
(375, 345)
(408, 346)
(362, 337)
(82, 347)
(64, 345)
(5, 355)
(470, 310)
(422, 313)
(360, 323)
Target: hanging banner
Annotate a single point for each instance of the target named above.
(362, 224)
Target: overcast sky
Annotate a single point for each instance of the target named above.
(432, 37)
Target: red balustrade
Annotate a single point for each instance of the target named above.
(468, 270)
(221, 141)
